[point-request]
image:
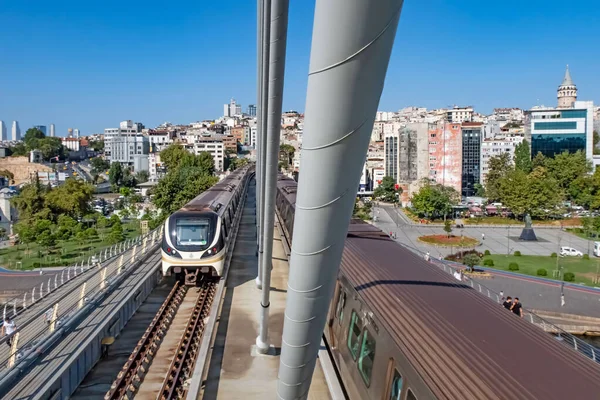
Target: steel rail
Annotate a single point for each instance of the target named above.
(134, 370)
(185, 355)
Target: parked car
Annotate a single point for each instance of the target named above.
(570, 251)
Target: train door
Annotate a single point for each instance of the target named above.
(336, 315)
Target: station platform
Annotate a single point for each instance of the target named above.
(236, 370)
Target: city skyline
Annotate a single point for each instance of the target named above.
(483, 60)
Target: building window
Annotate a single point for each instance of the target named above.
(354, 332)
(367, 357)
(555, 126)
(574, 114)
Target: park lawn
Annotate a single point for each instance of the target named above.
(584, 270)
(67, 252)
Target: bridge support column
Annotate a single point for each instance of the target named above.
(144, 246)
(133, 253)
(103, 279)
(120, 265)
(278, 39)
(351, 47)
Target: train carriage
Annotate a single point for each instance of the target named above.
(400, 328)
(196, 238)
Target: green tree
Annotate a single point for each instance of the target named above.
(142, 176)
(566, 167)
(539, 160)
(115, 174)
(18, 150)
(72, 198)
(448, 227)
(31, 138)
(534, 193)
(173, 155)
(471, 260)
(179, 186)
(97, 145)
(523, 157)
(128, 179)
(434, 200)
(499, 167)
(206, 163)
(386, 191)
(51, 147)
(30, 202)
(479, 190)
(288, 150)
(99, 165)
(596, 142)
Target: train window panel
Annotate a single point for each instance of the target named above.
(396, 388)
(354, 334)
(411, 395)
(340, 306)
(192, 232)
(367, 357)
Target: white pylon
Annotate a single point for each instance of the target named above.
(49, 287)
(62, 277)
(55, 281)
(15, 308)
(75, 270)
(33, 296)
(68, 274)
(41, 290)
(25, 300)
(4, 313)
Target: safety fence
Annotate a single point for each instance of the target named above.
(38, 317)
(455, 269)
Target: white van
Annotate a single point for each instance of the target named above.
(597, 249)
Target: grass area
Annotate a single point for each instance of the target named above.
(66, 252)
(580, 233)
(444, 240)
(584, 270)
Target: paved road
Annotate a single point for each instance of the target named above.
(31, 323)
(497, 240)
(533, 293)
(12, 281)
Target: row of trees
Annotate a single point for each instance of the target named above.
(540, 185)
(35, 139)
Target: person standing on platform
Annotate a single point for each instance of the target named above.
(508, 303)
(8, 328)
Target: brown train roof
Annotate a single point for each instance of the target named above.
(464, 345)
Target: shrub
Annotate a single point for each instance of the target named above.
(542, 272)
(488, 262)
(569, 277)
(553, 255)
(517, 253)
(487, 253)
(513, 266)
(586, 256)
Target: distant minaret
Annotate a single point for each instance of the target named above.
(52, 133)
(567, 91)
(3, 131)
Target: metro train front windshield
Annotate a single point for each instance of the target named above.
(192, 232)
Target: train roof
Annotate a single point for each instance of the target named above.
(287, 186)
(220, 193)
(462, 344)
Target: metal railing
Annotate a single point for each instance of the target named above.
(36, 326)
(14, 306)
(451, 268)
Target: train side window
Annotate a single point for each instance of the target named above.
(396, 388)
(367, 357)
(411, 395)
(354, 334)
(224, 231)
(340, 306)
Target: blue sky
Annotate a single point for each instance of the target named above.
(89, 65)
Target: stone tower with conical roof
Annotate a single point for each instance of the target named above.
(567, 91)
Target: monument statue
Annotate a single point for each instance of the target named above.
(528, 234)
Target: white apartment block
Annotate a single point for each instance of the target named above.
(460, 114)
(159, 139)
(121, 144)
(495, 147)
(155, 167)
(71, 143)
(214, 146)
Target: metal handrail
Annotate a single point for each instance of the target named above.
(451, 267)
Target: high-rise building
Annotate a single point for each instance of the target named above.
(252, 110)
(232, 109)
(3, 131)
(16, 131)
(125, 142)
(41, 128)
(445, 154)
(471, 157)
(406, 153)
(76, 133)
(52, 130)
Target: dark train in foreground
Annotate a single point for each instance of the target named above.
(196, 238)
(400, 328)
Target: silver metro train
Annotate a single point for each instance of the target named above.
(196, 237)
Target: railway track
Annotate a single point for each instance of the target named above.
(183, 356)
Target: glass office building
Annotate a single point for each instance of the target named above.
(471, 157)
(554, 131)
